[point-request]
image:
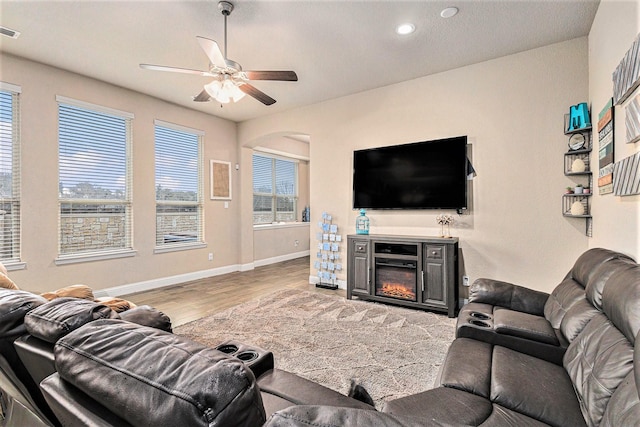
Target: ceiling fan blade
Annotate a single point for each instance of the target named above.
(213, 52)
(175, 69)
(285, 76)
(257, 94)
(202, 97)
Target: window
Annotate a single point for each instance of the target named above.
(179, 201)
(275, 189)
(9, 173)
(94, 179)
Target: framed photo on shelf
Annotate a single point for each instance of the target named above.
(220, 180)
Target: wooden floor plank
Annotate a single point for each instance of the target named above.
(190, 301)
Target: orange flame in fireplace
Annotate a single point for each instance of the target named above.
(397, 290)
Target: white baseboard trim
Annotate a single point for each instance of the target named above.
(287, 257)
(314, 280)
(161, 282)
(149, 285)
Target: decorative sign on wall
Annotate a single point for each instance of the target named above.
(220, 180)
(626, 176)
(605, 149)
(626, 76)
(632, 120)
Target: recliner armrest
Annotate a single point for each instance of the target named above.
(508, 295)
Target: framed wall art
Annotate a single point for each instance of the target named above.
(605, 149)
(220, 177)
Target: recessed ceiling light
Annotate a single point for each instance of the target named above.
(449, 12)
(404, 29)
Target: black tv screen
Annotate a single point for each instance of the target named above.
(420, 175)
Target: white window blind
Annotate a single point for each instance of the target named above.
(275, 189)
(179, 201)
(9, 174)
(94, 179)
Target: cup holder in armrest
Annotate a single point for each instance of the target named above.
(256, 359)
(247, 356)
(479, 315)
(479, 323)
(227, 348)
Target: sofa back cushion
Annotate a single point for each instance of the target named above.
(624, 406)
(595, 286)
(151, 377)
(572, 289)
(14, 305)
(563, 297)
(597, 362)
(600, 358)
(587, 263)
(55, 319)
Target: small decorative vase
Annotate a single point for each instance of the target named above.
(448, 234)
(442, 230)
(362, 223)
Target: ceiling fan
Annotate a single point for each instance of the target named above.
(229, 82)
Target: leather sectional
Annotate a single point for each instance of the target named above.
(521, 358)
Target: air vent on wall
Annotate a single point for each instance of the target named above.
(8, 32)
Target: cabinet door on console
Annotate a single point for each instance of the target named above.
(435, 289)
(360, 268)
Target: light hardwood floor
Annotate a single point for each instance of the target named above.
(192, 300)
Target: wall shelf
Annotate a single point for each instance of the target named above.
(577, 165)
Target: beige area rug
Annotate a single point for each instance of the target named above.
(392, 351)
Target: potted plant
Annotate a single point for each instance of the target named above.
(578, 189)
(586, 190)
(569, 190)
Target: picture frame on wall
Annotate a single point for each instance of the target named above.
(220, 180)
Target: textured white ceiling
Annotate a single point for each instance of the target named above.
(337, 48)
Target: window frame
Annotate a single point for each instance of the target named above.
(199, 203)
(274, 191)
(127, 250)
(15, 262)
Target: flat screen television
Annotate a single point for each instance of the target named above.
(420, 175)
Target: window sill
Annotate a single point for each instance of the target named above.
(178, 247)
(273, 226)
(78, 258)
(15, 265)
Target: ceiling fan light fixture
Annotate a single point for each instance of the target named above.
(224, 91)
(404, 29)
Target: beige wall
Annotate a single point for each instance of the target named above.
(511, 108)
(616, 220)
(40, 85)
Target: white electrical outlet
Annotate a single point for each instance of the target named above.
(465, 280)
(210, 256)
(296, 243)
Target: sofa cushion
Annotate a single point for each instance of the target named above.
(329, 416)
(147, 316)
(567, 293)
(14, 305)
(599, 278)
(587, 264)
(467, 366)
(524, 325)
(597, 361)
(151, 377)
(576, 318)
(621, 300)
(507, 295)
(58, 317)
(444, 406)
(501, 416)
(534, 387)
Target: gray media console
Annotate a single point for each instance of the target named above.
(418, 272)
